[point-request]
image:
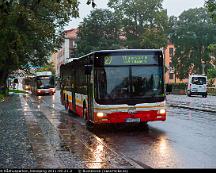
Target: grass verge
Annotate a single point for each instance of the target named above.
(17, 91)
(1, 97)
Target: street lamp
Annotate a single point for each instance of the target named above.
(203, 67)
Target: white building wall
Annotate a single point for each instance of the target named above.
(66, 50)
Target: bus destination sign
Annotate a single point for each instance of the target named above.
(130, 60)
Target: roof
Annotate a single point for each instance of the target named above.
(71, 33)
(197, 75)
(127, 50)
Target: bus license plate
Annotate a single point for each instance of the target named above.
(132, 120)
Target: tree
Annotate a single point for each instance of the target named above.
(191, 34)
(211, 6)
(100, 30)
(144, 22)
(47, 67)
(30, 30)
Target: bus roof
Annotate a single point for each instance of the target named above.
(44, 73)
(120, 50)
(113, 51)
(127, 50)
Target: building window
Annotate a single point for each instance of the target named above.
(171, 52)
(171, 76)
(171, 68)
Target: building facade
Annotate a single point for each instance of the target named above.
(66, 53)
(170, 76)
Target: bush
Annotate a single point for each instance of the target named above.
(3, 90)
(177, 86)
(212, 91)
(1, 97)
(180, 86)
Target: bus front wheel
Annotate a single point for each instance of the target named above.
(91, 126)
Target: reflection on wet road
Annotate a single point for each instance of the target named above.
(73, 146)
(185, 140)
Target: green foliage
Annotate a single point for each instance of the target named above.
(144, 23)
(211, 6)
(17, 91)
(211, 73)
(30, 30)
(47, 67)
(191, 34)
(133, 24)
(212, 49)
(100, 30)
(1, 97)
(179, 86)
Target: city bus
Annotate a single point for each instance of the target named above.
(26, 83)
(43, 83)
(115, 86)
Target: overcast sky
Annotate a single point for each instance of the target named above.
(174, 7)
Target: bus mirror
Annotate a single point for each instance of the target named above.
(88, 69)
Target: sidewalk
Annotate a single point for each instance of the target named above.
(197, 102)
(15, 147)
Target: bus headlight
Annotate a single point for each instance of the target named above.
(162, 111)
(101, 114)
(52, 89)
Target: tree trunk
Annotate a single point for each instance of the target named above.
(3, 81)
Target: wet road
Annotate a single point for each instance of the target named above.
(186, 140)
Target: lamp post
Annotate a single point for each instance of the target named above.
(203, 67)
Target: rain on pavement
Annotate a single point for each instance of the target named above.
(59, 140)
(66, 144)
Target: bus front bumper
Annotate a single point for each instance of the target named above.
(125, 117)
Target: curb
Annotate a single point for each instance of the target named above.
(192, 108)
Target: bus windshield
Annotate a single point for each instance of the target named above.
(129, 82)
(45, 82)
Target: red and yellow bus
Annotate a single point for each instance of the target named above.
(43, 83)
(115, 86)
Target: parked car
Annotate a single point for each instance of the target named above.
(197, 85)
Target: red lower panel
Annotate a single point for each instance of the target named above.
(79, 110)
(120, 117)
(43, 92)
(71, 106)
